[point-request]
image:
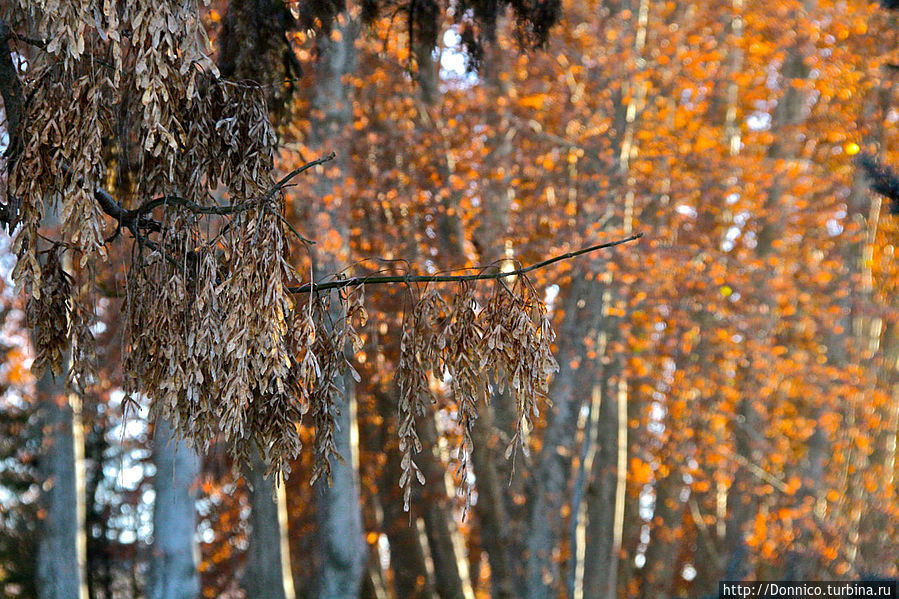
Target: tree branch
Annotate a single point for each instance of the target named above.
(223, 210)
(7, 34)
(380, 280)
(12, 92)
(14, 104)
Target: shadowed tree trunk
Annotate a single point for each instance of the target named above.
(58, 575)
(605, 494)
(661, 553)
(444, 540)
(407, 557)
(787, 118)
(502, 520)
(438, 517)
(603, 544)
(99, 553)
(431, 504)
(173, 566)
(876, 545)
(263, 577)
(497, 537)
(410, 573)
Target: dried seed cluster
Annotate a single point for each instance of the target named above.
(507, 343)
(47, 313)
(61, 324)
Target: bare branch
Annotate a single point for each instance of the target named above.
(223, 210)
(126, 218)
(285, 180)
(13, 96)
(356, 281)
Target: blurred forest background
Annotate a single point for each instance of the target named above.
(727, 405)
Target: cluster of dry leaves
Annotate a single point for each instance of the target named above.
(61, 324)
(505, 343)
(214, 335)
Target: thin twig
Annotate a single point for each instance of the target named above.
(357, 281)
(295, 232)
(286, 179)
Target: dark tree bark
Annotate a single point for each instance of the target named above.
(661, 554)
(407, 556)
(497, 535)
(601, 563)
(11, 92)
(502, 520)
(99, 553)
(438, 517)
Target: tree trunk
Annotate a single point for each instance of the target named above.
(438, 518)
(58, 572)
(173, 566)
(99, 554)
(502, 520)
(601, 562)
(339, 516)
(410, 573)
(789, 114)
(497, 536)
(263, 577)
(661, 553)
(431, 503)
(407, 556)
